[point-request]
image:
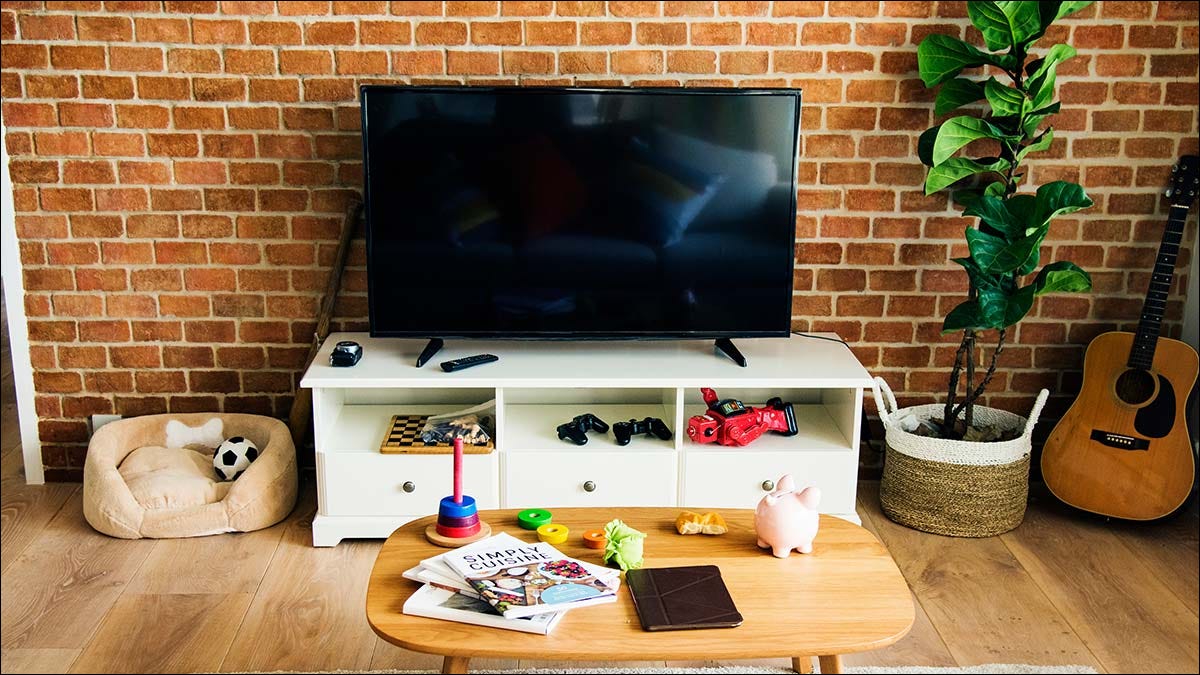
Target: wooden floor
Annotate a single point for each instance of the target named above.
(1060, 589)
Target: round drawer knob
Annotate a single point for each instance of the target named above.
(408, 486)
(768, 485)
(589, 486)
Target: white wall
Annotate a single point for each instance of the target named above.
(18, 330)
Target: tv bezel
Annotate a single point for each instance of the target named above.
(365, 89)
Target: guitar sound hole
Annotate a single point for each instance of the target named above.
(1135, 387)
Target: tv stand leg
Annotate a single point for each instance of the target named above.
(431, 349)
(727, 347)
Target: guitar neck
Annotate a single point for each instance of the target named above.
(1141, 354)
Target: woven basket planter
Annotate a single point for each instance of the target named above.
(955, 488)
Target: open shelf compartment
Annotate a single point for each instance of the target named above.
(532, 416)
(827, 419)
(356, 420)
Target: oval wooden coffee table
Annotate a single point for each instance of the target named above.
(847, 596)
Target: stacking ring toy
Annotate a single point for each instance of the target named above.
(450, 521)
(594, 539)
(532, 519)
(453, 509)
(553, 533)
(458, 532)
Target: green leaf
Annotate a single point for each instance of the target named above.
(941, 57)
(1035, 118)
(996, 255)
(1005, 100)
(1059, 197)
(1001, 309)
(993, 211)
(958, 131)
(1040, 85)
(1005, 24)
(1042, 143)
(965, 316)
(1065, 8)
(957, 168)
(925, 145)
(1061, 277)
(956, 93)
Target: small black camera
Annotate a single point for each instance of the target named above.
(345, 354)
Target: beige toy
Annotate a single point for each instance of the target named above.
(694, 523)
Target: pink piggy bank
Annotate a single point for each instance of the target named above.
(786, 519)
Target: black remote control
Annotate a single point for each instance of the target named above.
(468, 361)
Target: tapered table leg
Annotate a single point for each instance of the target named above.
(456, 664)
(802, 664)
(830, 664)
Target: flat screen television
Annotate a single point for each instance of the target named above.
(579, 213)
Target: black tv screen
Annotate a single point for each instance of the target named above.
(581, 213)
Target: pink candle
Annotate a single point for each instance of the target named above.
(458, 460)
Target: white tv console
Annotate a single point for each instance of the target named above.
(539, 385)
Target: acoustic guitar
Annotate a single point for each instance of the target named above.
(1123, 449)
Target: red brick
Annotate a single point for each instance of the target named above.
(275, 33)
(157, 279)
(825, 33)
(24, 56)
(331, 33)
(238, 305)
(472, 63)
(580, 63)
(361, 63)
(219, 89)
(188, 357)
(418, 63)
(538, 33)
(169, 88)
(135, 59)
(637, 62)
(798, 62)
(743, 63)
(496, 32)
(386, 32)
(264, 331)
(850, 62)
(158, 29)
(160, 381)
(722, 33)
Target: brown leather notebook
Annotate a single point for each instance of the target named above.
(681, 598)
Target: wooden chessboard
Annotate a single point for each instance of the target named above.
(404, 437)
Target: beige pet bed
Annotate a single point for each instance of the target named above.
(153, 476)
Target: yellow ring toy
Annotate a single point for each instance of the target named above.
(553, 533)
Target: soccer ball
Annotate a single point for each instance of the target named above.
(233, 456)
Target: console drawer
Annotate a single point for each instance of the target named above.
(545, 479)
(371, 484)
(735, 479)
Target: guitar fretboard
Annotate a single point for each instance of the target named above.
(1141, 355)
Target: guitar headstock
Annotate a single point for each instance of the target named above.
(1185, 181)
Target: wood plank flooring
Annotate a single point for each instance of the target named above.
(1064, 588)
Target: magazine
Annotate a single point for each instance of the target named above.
(523, 579)
(439, 603)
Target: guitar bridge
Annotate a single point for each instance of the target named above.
(1120, 441)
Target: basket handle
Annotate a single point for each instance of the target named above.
(1037, 411)
(880, 384)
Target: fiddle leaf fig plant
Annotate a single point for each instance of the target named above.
(1005, 245)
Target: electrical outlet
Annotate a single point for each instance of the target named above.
(97, 421)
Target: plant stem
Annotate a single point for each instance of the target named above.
(967, 402)
(948, 416)
(972, 395)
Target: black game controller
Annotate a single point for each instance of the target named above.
(625, 431)
(575, 430)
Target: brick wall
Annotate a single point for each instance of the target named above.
(180, 169)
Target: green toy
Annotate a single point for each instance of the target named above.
(624, 545)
